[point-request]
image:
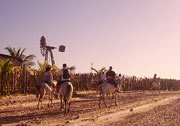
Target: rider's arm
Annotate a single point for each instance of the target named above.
(59, 75)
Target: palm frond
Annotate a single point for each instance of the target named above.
(40, 65)
(94, 69)
(55, 68)
(28, 60)
(102, 69)
(30, 57)
(6, 66)
(11, 51)
(18, 52)
(22, 52)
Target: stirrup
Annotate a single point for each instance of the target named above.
(117, 90)
(56, 95)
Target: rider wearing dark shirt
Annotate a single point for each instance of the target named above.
(110, 75)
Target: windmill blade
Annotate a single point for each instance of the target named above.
(43, 42)
(50, 47)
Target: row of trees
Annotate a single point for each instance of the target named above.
(16, 79)
(13, 75)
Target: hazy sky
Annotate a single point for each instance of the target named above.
(136, 37)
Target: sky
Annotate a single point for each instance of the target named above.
(135, 37)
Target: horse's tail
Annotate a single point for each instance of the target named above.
(38, 91)
(69, 92)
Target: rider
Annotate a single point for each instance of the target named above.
(110, 76)
(103, 78)
(155, 78)
(48, 76)
(64, 75)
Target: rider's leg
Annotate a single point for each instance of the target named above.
(100, 82)
(116, 85)
(57, 88)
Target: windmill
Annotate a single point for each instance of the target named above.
(45, 49)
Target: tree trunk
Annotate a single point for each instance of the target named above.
(24, 78)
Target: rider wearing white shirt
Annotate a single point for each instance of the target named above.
(103, 76)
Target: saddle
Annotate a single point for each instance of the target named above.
(52, 84)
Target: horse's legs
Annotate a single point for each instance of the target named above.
(118, 95)
(65, 101)
(49, 99)
(151, 90)
(100, 101)
(103, 97)
(159, 91)
(115, 99)
(38, 102)
(52, 94)
(69, 107)
(52, 99)
(40, 98)
(112, 94)
(159, 88)
(61, 102)
(100, 98)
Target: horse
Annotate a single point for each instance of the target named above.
(155, 85)
(105, 89)
(66, 92)
(44, 89)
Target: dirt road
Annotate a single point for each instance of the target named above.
(163, 115)
(134, 109)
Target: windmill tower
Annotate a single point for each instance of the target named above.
(45, 49)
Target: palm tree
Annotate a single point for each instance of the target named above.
(5, 68)
(28, 60)
(98, 72)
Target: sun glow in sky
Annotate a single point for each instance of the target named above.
(136, 37)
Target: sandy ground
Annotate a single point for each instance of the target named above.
(134, 109)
